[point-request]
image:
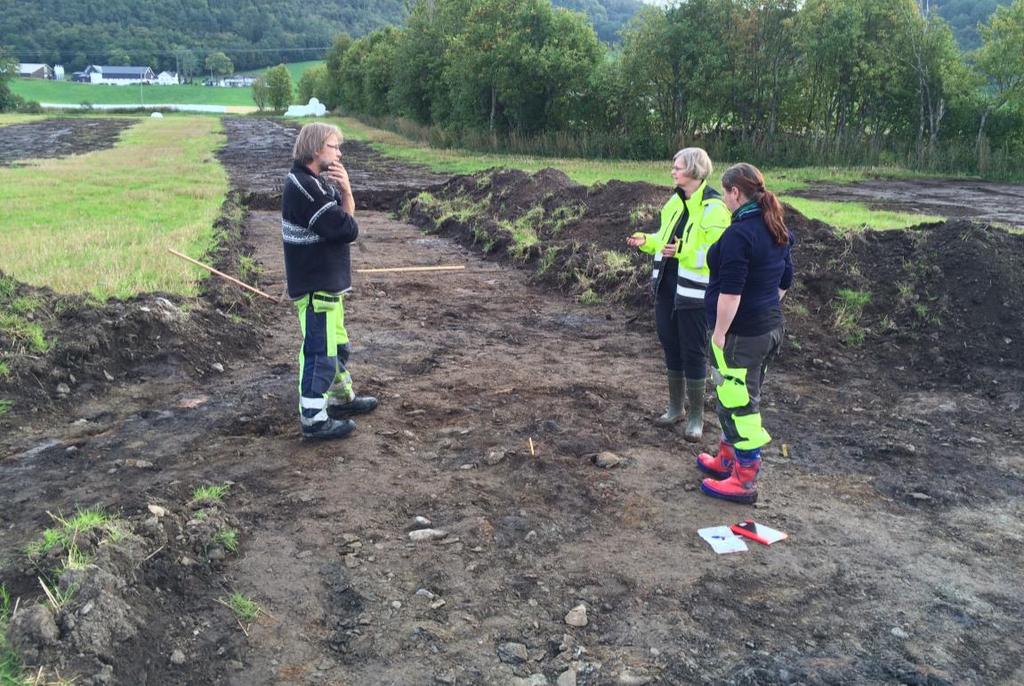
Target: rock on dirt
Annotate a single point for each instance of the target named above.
(606, 460)
(577, 616)
(427, 534)
(513, 653)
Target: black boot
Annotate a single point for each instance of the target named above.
(361, 404)
(329, 428)
(674, 413)
(695, 412)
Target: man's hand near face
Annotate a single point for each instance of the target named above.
(338, 175)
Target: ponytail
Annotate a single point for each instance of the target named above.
(771, 210)
(750, 181)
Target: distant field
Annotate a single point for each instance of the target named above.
(843, 215)
(66, 92)
(105, 225)
(294, 68)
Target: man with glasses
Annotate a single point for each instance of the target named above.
(317, 226)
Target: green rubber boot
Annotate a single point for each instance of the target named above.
(695, 412)
(674, 413)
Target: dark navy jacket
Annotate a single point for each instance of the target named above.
(746, 262)
(316, 234)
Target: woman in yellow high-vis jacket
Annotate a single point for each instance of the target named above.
(691, 221)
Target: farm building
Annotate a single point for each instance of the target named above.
(35, 71)
(95, 73)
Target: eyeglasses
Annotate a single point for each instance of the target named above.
(336, 146)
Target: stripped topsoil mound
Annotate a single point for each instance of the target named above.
(936, 303)
(58, 138)
(57, 348)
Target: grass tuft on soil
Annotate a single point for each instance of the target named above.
(246, 609)
(210, 495)
(107, 218)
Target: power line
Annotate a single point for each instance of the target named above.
(171, 53)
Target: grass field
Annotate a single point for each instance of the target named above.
(101, 223)
(843, 215)
(65, 92)
(296, 69)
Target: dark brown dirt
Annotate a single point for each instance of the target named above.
(953, 198)
(58, 138)
(901, 491)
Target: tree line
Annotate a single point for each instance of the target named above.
(785, 81)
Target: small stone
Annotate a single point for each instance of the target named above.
(217, 367)
(427, 534)
(87, 608)
(419, 520)
(689, 487)
(607, 460)
(537, 679)
(899, 633)
(424, 593)
(513, 653)
(630, 679)
(351, 561)
(186, 561)
(107, 375)
(438, 604)
(304, 554)
(577, 616)
(216, 554)
(349, 538)
(157, 510)
(494, 457)
(567, 678)
(177, 658)
(236, 665)
(63, 389)
(531, 535)
(917, 495)
(397, 604)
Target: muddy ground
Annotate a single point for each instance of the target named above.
(896, 470)
(58, 138)
(956, 198)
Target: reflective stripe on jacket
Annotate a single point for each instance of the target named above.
(706, 218)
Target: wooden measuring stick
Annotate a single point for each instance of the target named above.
(411, 269)
(223, 275)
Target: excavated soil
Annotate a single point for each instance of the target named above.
(897, 474)
(58, 138)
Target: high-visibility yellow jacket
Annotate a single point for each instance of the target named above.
(706, 219)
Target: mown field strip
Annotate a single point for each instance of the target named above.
(67, 92)
(101, 222)
(843, 215)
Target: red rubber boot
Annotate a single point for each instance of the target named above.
(740, 487)
(719, 465)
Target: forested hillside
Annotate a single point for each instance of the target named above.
(253, 34)
(965, 15)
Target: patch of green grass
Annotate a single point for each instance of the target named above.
(560, 217)
(295, 69)
(210, 495)
(68, 531)
(249, 270)
(245, 608)
(855, 216)
(228, 538)
(848, 308)
(71, 93)
(617, 262)
(159, 187)
(590, 297)
(5, 404)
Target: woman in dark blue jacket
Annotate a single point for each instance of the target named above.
(751, 270)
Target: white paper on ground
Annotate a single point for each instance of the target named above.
(722, 539)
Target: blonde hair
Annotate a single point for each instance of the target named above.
(696, 163)
(311, 140)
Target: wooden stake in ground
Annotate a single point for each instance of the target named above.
(386, 270)
(222, 275)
